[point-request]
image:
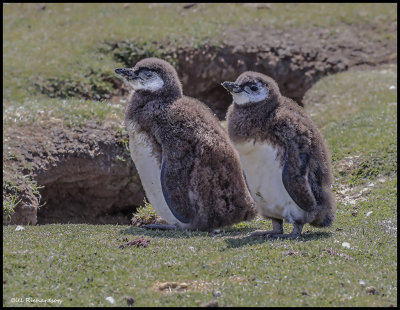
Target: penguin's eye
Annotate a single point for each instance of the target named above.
(144, 74)
(254, 88)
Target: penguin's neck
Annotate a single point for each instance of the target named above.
(141, 98)
(145, 110)
(251, 121)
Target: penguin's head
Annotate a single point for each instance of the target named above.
(152, 75)
(252, 87)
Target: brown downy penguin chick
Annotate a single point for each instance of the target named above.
(283, 154)
(189, 169)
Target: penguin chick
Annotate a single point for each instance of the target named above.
(189, 169)
(284, 156)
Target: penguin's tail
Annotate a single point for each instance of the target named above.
(323, 221)
(326, 214)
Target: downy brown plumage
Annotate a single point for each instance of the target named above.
(200, 182)
(284, 156)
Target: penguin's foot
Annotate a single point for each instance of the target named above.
(275, 233)
(296, 232)
(160, 226)
(277, 228)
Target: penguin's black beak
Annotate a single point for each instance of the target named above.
(126, 73)
(231, 87)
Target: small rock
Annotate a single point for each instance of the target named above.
(172, 285)
(368, 213)
(183, 285)
(130, 301)
(392, 87)
(346, 245)
(110, 300)
(371, 290)
(361, 282)
(217, 294)
(18, 228)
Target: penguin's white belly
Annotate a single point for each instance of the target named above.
(149, 172)
(264, 177)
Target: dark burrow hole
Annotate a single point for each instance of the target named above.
(100, 189)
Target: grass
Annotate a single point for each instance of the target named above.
(82, 265)
(145, 215)
(360, 123)
(10, 202)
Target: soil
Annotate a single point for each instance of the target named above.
(87, 174)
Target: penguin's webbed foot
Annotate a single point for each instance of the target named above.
(277, 232)
(277, 228)
(160, 226)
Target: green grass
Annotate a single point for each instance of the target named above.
(82, 265)
(71, 112)
(357, 112)
(10, 202)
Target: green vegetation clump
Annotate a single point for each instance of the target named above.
(145, 215)
(10, 202)
(94, 86)
(130, 52)
(18, 189)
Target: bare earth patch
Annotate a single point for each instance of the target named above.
(192, 285)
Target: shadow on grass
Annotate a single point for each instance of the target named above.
(248, 240)
(164, 233)
(184, 233)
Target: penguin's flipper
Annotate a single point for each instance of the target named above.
(167, 196)
(295, 180)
